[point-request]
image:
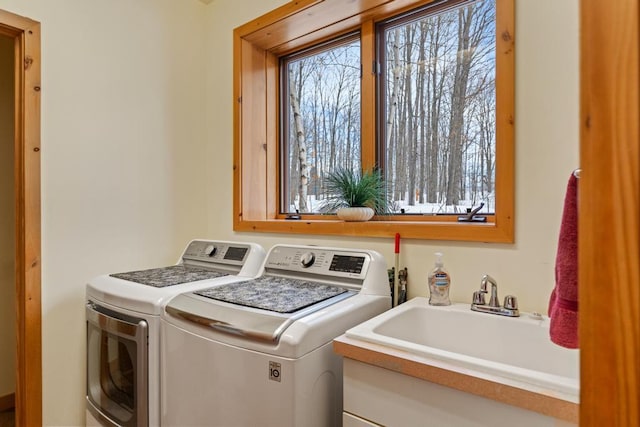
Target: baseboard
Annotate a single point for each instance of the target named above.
(7, 402)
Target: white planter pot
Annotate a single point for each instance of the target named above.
(355, 214)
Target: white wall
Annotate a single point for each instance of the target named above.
(7, 223)
(123, 182)
(546, 151)
(137, 157)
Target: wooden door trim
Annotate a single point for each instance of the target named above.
(609, 230)
(28, 396)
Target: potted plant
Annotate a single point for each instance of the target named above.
(355, 195)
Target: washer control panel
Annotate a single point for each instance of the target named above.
(216, 252)
(318, 260)
(307, 259)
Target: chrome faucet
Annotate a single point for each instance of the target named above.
(493, 301)
(510, 307)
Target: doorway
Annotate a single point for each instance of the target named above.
(24, 36)
(7, 231)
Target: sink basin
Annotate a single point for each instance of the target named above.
(517, 350)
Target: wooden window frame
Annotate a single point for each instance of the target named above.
(260, 43)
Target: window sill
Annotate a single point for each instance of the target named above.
(428, 230)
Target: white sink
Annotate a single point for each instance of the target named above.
(516, 349)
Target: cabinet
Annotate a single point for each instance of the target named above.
(375, 396)
(350, 420)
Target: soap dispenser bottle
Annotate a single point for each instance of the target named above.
(439, 283)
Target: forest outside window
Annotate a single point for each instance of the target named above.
(437, 121)
(321, 104)
(422, 91)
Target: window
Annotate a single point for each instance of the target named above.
(320, 101)
(421, 90)
(437, 120)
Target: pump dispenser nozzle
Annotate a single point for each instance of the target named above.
(439, 262)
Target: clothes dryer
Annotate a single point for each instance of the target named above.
(123, 327)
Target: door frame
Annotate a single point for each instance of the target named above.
(26, 35)
(609, 204)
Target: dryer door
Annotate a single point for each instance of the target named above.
(117, 390)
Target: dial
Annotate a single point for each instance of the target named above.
(210, 250)
(307, 259)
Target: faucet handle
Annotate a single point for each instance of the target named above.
(478, 298)
(510, 302)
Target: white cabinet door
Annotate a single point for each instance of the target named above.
(350, 420)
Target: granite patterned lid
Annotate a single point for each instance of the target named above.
(278, 294)
(169, 276)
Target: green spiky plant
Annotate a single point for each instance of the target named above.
(350, 188)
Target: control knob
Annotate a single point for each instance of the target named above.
(307, 259)
(210, 250)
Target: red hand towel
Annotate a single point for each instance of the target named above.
(563, 304)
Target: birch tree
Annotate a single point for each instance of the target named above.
(294, 96)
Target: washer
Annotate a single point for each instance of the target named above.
(259, 352)
(123, 327)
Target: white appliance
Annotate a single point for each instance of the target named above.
(259, 353)
(123, 327)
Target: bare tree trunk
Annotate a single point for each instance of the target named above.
(409, 140)
(422, 115)
(317, 159)
(294, 95)
(437, 85)
(348, 155)
(294, 179)
(487, 126)
(392, 111)
(335, 113)
(318, 146)
(400, 151)
(458, 103)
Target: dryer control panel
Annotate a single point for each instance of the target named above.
(216, 252)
